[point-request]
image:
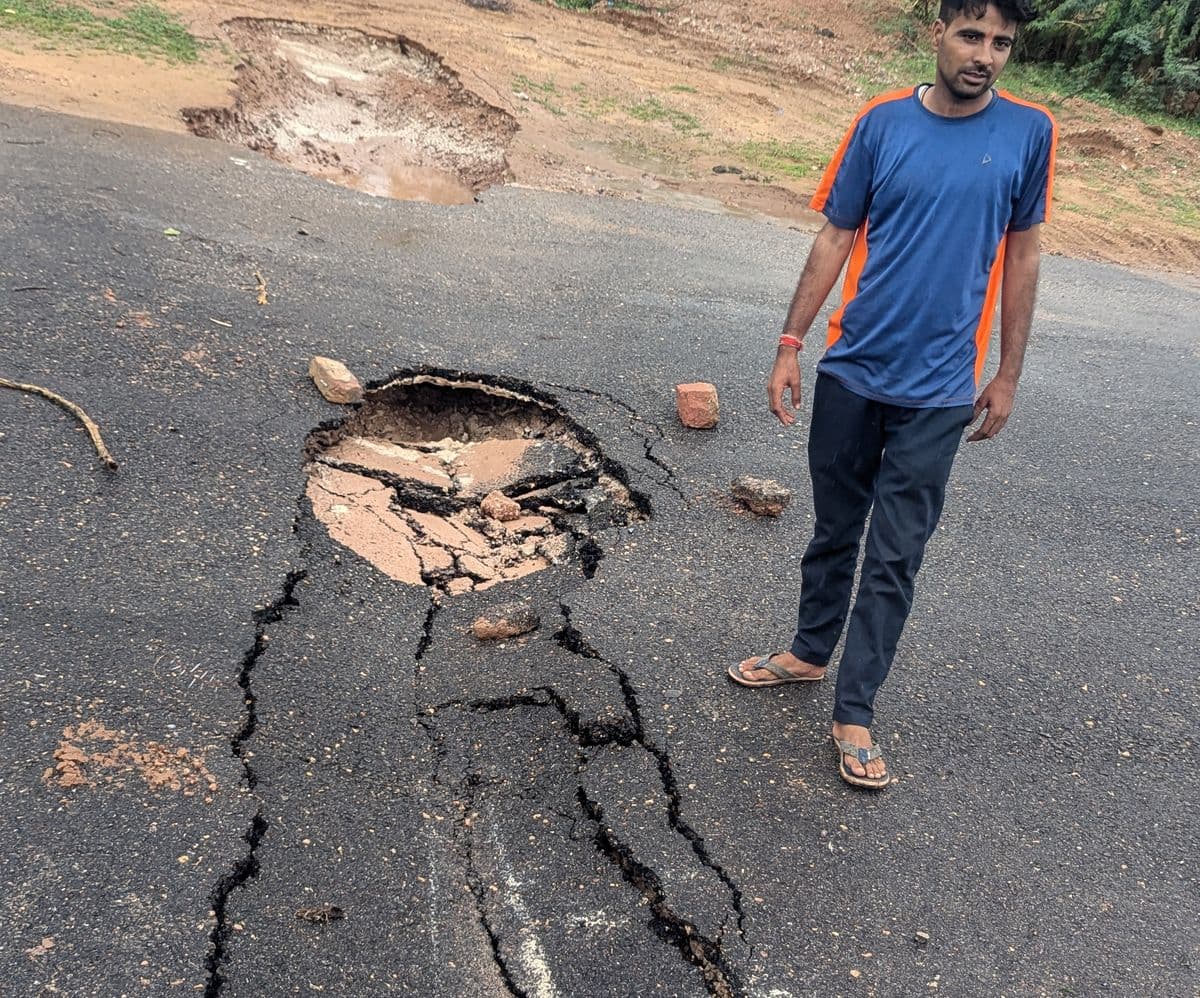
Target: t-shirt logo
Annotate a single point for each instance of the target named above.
(987, 158)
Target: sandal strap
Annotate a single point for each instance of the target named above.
(863, 755)
(774, 668)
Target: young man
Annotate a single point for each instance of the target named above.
(935, 197)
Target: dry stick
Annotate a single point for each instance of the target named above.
(74, 410)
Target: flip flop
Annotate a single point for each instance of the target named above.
(781, 674)
(864, 756)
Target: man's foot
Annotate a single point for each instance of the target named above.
(855, 768)
(774, 670)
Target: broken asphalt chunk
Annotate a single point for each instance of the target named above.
(762, 496)
(505, 620)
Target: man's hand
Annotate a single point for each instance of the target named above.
(785, 374)
(997, 399)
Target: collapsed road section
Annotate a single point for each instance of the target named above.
(378, 113)
(460, 485)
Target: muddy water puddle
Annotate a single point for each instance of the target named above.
(380, 114)
(407, 183)
(462, 486)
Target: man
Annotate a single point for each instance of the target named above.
(935, 196)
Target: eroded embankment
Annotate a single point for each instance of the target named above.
(379, 113)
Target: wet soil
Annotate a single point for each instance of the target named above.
(381, 114)
(643, 104)
(405, 483)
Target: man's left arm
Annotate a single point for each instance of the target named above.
(1022, 257)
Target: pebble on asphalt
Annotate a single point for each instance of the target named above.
(505, 620)
(762, 496)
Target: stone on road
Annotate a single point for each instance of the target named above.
(762, 496)
(505, 620)
(334, 380)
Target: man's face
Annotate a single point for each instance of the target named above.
(971, 51)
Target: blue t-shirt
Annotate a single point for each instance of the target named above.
(932, 199)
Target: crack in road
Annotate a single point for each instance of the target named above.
(706, 953)
(570, 638)
(587, 815)
(635, 417)
(245, 868)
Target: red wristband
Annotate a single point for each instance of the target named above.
(791, 341)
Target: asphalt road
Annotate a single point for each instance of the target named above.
(595, 810)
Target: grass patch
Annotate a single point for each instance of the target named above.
(790, 159)
(724, 63)
(1051, 85)
(652, 109)
(1183, 211)
(683, 88)
(144, 30)
(539, 93)
(599, 108)
(523, 82)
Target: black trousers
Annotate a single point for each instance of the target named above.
(892, 462)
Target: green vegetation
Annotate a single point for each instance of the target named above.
(652, 109)
(1134, 56)
(539, 93)
(1183, 211)
(724, 63)
(791, 159)
(683, 88)
(1145, 52)
(144, 30)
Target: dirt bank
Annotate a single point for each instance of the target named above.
(704, 104)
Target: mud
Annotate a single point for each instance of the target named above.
(378, 113)
(626, 103)
(402, 482)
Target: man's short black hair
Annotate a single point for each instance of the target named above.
(1017, 11)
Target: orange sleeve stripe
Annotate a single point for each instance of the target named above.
(858, 260)
(1053, 144)
(987, 318)
(835, 164)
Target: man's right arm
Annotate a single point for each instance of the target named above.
(825, 261)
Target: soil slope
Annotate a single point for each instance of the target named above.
(701, 103)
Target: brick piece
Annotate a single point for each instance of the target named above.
(697, 405)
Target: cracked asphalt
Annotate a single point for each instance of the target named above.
(593, 810)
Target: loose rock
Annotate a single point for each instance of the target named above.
(505, 620)
(761, 495)
(697, 405)
(499, 507)
(334, 380)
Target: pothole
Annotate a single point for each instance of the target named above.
(381, 114)
(405, 482)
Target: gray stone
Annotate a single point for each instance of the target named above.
(762, 496)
